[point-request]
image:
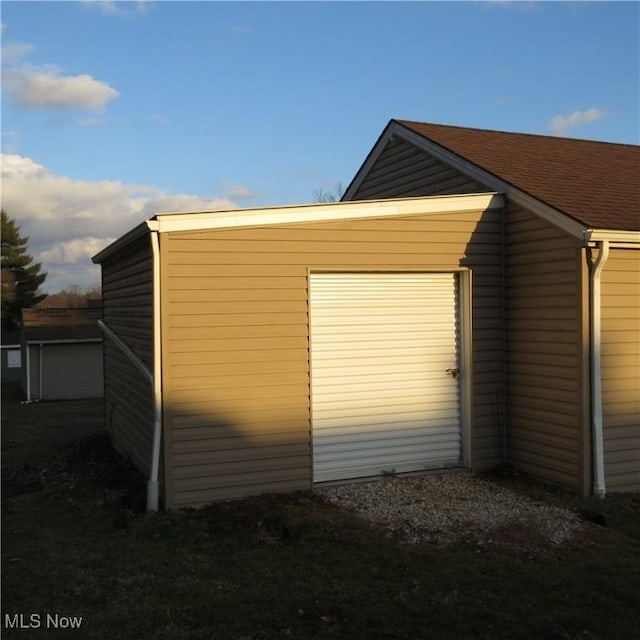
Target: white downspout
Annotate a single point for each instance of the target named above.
(597, 434)
(153, 485)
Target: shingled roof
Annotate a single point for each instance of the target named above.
(51, 324)
(595, 183)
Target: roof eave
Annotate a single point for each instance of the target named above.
(615, 237)
(123, 241)
(325, 212)
(296, 214)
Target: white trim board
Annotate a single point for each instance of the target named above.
(619, 239)
(431, 205)
(294, 214)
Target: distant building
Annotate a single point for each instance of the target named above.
(61, 353)
(11, 357)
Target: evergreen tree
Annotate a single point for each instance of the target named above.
(20, 278)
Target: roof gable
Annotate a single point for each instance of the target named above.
(596, 184)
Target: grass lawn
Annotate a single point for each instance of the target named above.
(76, 543)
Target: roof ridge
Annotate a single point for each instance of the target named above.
(515, 133)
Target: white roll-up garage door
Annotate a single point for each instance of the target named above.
(384, 363)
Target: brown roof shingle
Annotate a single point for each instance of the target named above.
(595, 183)
(48, 323)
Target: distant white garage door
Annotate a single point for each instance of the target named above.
(384, 365)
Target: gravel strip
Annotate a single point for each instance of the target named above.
(454, 507)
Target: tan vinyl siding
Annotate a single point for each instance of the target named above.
(127, 289)
(235, 340)
(620, 343)
(544, 307)
(544, 349)
(403, 170)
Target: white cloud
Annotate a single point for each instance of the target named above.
(521, 5)
(562, 125)
(73, 251)
(116, 7)
(105, 6)
(10, 140)
(14, 52)
(89, 122)
(70, 220)
(237, 192)
(45, 87)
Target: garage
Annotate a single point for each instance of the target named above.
(305, 345)
(385, 394)
(62, 353)
(464, 305)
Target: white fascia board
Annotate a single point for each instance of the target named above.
(522, 198)
(617, 239)
(9, 346)
(203, 221)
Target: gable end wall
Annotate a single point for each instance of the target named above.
(127, 291)
(543, 316)
(403, 171)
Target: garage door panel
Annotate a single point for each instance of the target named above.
(408, 429)
(373, 386)
(394, 349)
(402, 457)
(383, 411)
(333, 371)
(405, 398)
(380, 421)
(341, 315)
(373, 427)
(439, 459)
(372, 333)
(408, 450)
(381, 396)
(381, 437)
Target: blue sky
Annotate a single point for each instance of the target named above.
(112, 111)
